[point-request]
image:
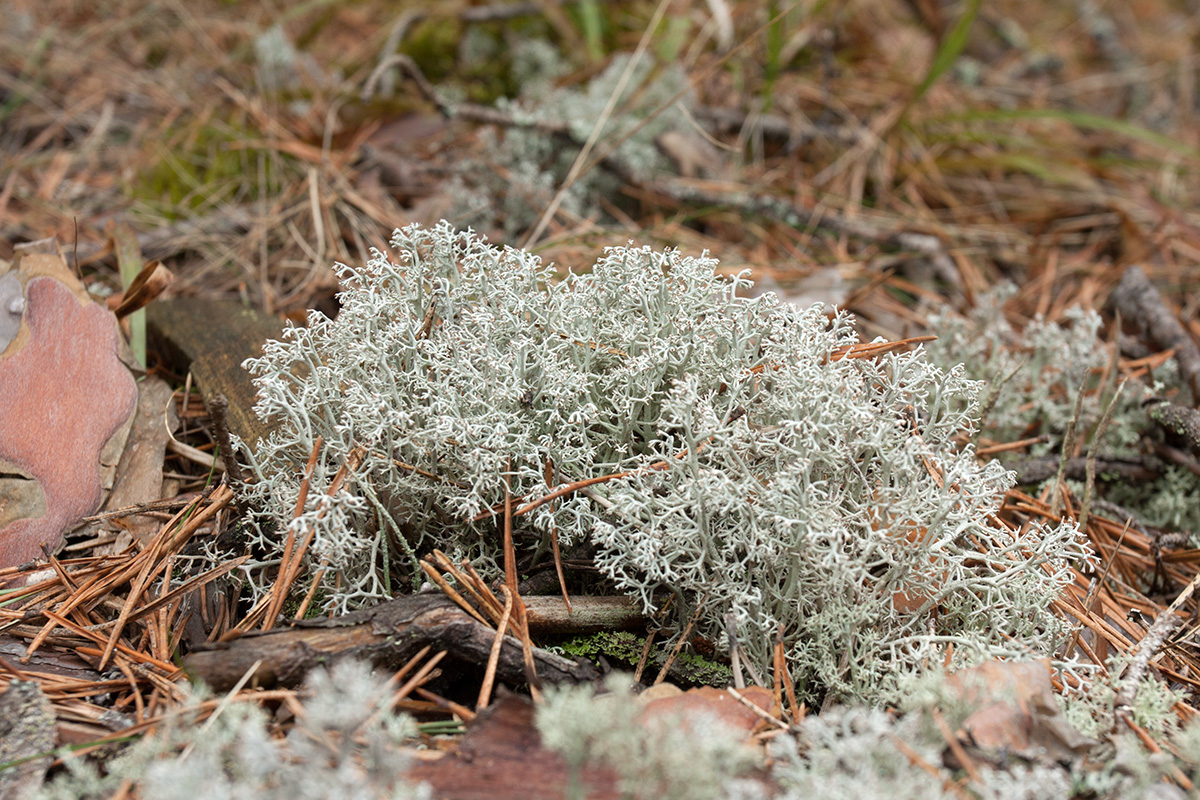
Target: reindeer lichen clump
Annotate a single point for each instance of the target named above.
(765, 480)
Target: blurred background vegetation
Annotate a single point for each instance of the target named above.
(884, 154)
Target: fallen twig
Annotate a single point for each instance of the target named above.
(387, 635)
(1137, 300)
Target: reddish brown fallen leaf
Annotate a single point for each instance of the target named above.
(706, 702)
(1016, 712)
(63, 394)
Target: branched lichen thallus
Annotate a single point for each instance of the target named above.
(736, 461)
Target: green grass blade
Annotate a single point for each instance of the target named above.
(1079, 119)
(129, 263)
(948, 52)
(592, 22)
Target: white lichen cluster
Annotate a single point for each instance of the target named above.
(345, 743)
(854, 752)
(844, 751)
(820, 498)
(672, 757)
(1035, 375)
(1090, 710)
(525, 166)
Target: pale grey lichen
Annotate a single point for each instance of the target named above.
(1090, 710)
(859, 752)
(1171, 503)
(1036, 374)
(845, 751)
(766, 477)
(525, 166)
(673, 757)
(345, 744)
(536, 64)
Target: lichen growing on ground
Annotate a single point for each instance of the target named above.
(345, 744)
(762, 475)
(524, 167)
(1035, 375)
(844, 751)
(672, 757)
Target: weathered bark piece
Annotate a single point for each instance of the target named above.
(46, 660)
(66, 395)
(502, 758)
(1181, 423)
(139, 475)
(12, 307)
(387, 635)
(213, 338)
(1138, 301)
(1043, 468)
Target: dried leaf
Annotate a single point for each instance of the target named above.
(1016, 712)
(706, 702)
(139, 475)
(147, 285)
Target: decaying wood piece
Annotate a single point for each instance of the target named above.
(1179, 422)
(1137, 300)
(387, 635)
(213, 338)
(549, 615)
(48, 660)
(1043, 468)
(502, 758)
